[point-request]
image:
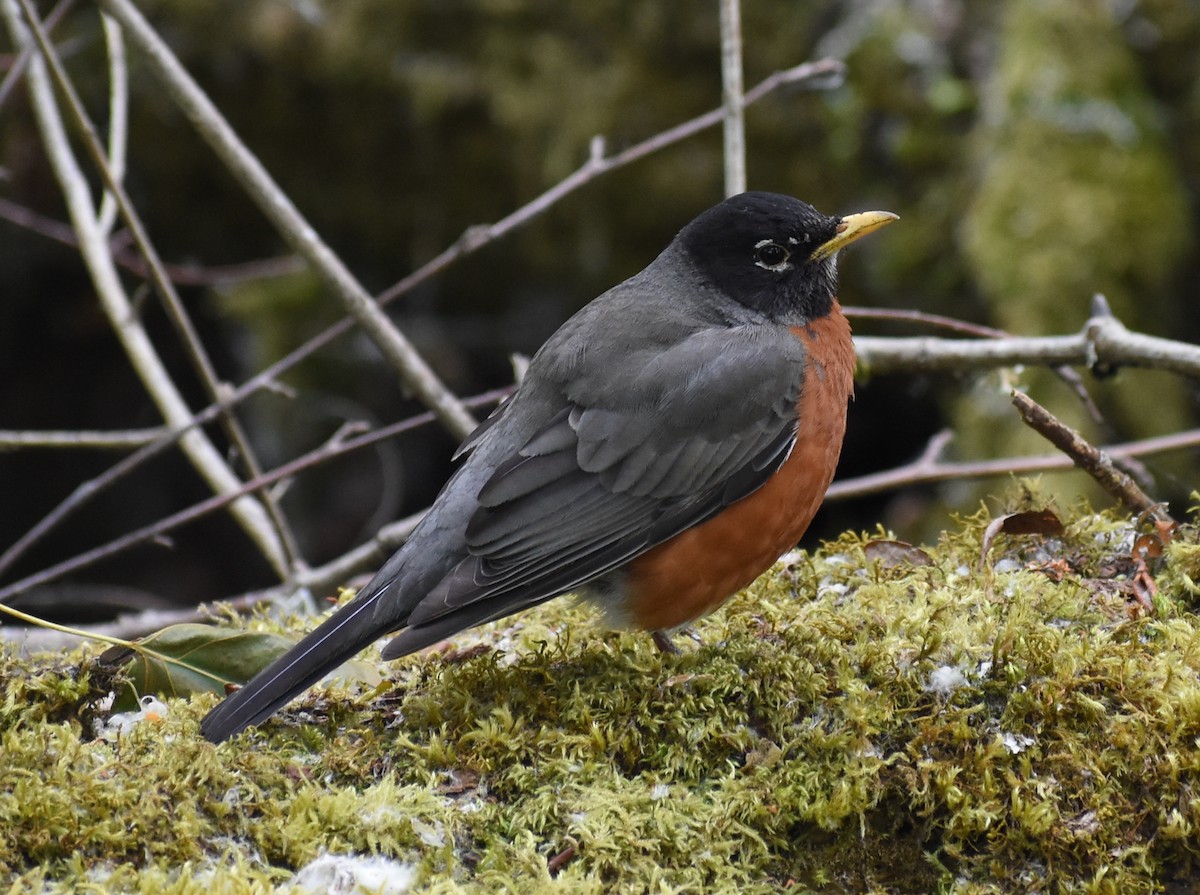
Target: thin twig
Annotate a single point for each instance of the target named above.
(17, 70)
(1103, 340)
(179, 274)
(126, 626)
(280, 551)
(922, 318)
(77, 193)
(113, 439)
(317, 580)
(1086, 456)
(86, 491)
(1072, 379)
(175, 520)
(824, 72)
(289, 222)
(732, 101)
(118, 118)
(365, 556)
(929, 468)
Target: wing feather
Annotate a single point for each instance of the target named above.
(607, 476)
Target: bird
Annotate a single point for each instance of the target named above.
(666, 445)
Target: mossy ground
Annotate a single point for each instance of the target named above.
(842, 726)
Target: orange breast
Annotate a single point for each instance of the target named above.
(697, 570)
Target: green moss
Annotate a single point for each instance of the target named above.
(1077, 193)
(842, 726)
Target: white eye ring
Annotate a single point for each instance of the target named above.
(770, 255)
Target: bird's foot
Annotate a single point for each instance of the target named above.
(664, 642)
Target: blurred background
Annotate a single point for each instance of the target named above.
(1037, 151)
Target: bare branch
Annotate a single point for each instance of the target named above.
(922, 318)
(17, 69)
(118, 117)
(179, 274)
(363, 557)
(290, 223)
(1072, 379)
(115, 439)
(175, 520)
(1103, 340)
(930, 468)
(127, 626)
(825, 72)
(115, 302)
(1087, 457)
(281, 552)
(732, 100)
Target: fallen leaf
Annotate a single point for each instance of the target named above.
(1029, 522)
(461, 780)
(1055, 569)
(182, 660)
(1150, 544)
(1144, 589)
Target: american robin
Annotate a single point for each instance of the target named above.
(667, 444)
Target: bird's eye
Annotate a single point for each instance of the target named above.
(771, 255)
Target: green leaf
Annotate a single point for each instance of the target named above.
(182, 660)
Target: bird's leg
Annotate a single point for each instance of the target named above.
(664, 642)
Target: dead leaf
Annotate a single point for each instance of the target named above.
(1150, 544)
(1055, 569)
(1029, 522)
(1144, 589)
(461, 780)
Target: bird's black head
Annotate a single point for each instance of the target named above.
(774, 254)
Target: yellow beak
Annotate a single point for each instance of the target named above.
(852, 227)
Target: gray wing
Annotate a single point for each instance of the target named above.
(635, 454)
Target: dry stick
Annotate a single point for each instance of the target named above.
(825, 72)
(906, 315)
(1071, 378)
(1110, 345)
(926, 469)
(179, 274)
(126, 626)
(118, 119)
(291, 224)
(732, 101)
(816, 75)
(111, 293)
(85, 491)
(1087, 457)
(168, 523)
(283, 553)
(366, 556)
(929, 468)
(1103, 340)
(111, 439)
(24, 54)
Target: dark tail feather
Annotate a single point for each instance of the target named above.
(350, 629)
(409, 640)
